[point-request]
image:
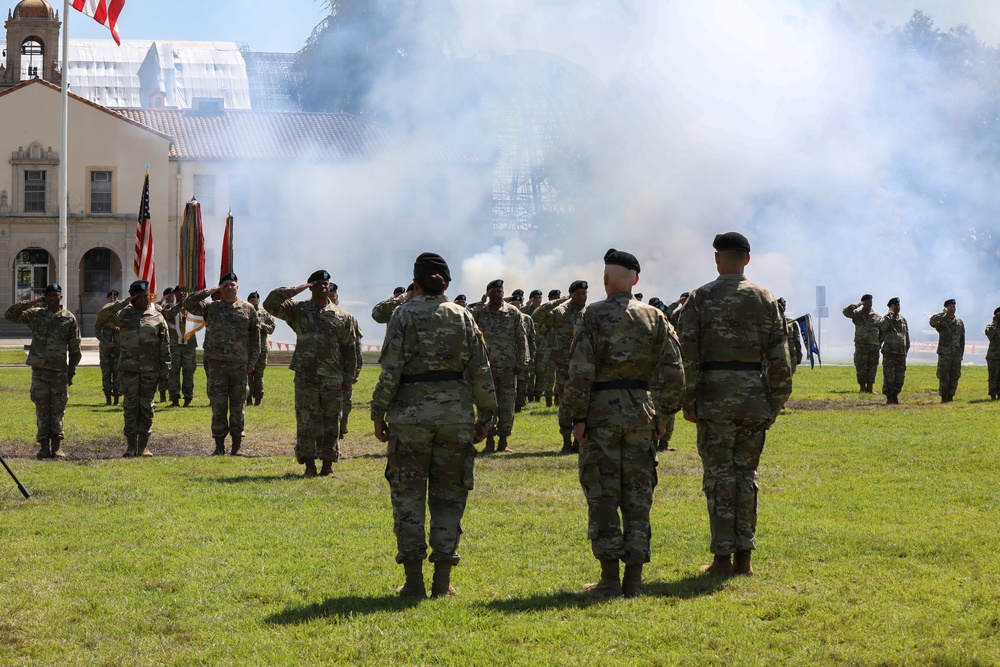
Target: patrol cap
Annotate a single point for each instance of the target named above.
(169, 290)
(731, 241)
(229, 276)
(317, 276)
(621, 258)
(253, 295)
(534, 293)
(430, 263)
(498, 283)
(554, 293)
(460, 297)
(577, 284)
(138, 286)
(894, 301)
(866, 297)
(114, 292)
(949, 302)
(399, 290)
(52, 287)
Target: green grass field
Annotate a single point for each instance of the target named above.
(876, 544)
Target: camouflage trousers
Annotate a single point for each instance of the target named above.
(505, 383)
(183, 359)
(949, 369)
(866, 362)
(50, 393)
(993, 370)
(525, 384)
(565, 416)
(138, 390)
(347, 404)
(668, 431)
(227, 393)
(893, 373)
(618, 472)
(317, 417)
(730, 452)
(109, 370)
(430, 465)
(256, 379)
(545, 374)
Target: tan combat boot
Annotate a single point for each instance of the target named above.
(142, 440)
(741, 563)
(632, 581)
(43, 450)
(610, 585)
(130, 447)
(721, 565)
(441, 583)
(54, 444)
(502, 445)
(237, 442)
(413, 587)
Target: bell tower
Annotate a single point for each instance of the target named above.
(32, 43)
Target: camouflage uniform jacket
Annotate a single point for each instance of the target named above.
(894, 334)
(232, 332)
(106, 333)
(993, 335)
(674, 312)
(145, 343)
(176, 319)
(357, 350)
(528, 310)
(266, 323)
(52, 336)
(734, 320)
(431, 334)
(529, 330)
(951, 335)
(623, 339)
(562, 319)
(505, 336)
(383, 309)
(866, 331)
(325, 345)
(794, 341)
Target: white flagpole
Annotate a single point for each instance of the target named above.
(61, 269)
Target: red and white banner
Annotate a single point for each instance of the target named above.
(104, 12)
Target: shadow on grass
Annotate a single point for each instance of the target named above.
(351, 605)
(243, 479)
(693, 586)
(520, 455)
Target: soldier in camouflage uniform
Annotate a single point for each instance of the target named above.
(738, 379)
(526, 379)
(265, 321)
(993, 355)
(533, 389)
(895, 337)
(145, 360)
(950, 350)
(324, 362)
(866, 341)
(793, 335)
(625, 375)
(232, 345)
(107, 339)
(673, 311)
(183, 353)
(434, 372)
(507, 343)
(562, 316)
(545, 369)
(348, 397)
(383, 309)
(54, 336)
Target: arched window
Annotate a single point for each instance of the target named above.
(32, 52)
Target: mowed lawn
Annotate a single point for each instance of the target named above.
(877, 544)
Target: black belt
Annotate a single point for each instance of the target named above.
(730, 366)
(619, 384)
(432, 376)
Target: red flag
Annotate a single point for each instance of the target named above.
(104, 12)
(227, 248)
(145, 267)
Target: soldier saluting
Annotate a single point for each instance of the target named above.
(866, 341)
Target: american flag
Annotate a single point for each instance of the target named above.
(104, 12)
(145, 267)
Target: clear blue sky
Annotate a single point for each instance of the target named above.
(275, 25)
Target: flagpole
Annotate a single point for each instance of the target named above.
(61, 268)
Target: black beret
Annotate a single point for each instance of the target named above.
(253, 295)
(655, 301)
(577, 284)
(638, 295)
(494, 283)
(554, 293)
(893, 300)
(398, 291)
(781, 301)
(114, 292)
(535, 292)
(169, 290)
(333, 287)
(460, 297)
(996, 311)
(517, 298)
(866, 297)
(317, 276)
(621, 258)
(685, 295)
(949, 302)
(517, 292)
(432, 263)
(138, 286)
(731, 241)
(229, 276)
(409, 288)
(52, 287)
